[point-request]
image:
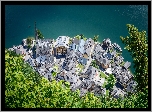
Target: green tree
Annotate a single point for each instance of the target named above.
(83, 37)
(70, 41)
(137, 44)
(111, 82)
(78, 37)
(93, 63)
(40, 36)
(54, 74)
(95, 38)
(29, 41)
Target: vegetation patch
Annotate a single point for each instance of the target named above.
(94, 64)
(102, 75)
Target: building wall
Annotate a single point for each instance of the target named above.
(61, 49)
(85, 55)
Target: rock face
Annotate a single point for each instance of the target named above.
(75, 66)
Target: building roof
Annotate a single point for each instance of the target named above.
(98, 49)
(131, 86)
(87, 51)
(127, 64)
(117, 92)
(121, 58)
(75, 40)
(62, 41)
(125, 77)
(116, 46)
(114, 53)
(117, 62)
(100, 59)
(71, 61)
(107, 42)
(81, 46)
(105, 61)
(18, 51)
(92, 72)
(88, 43)
(11, 49)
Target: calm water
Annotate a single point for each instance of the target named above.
(53, 21)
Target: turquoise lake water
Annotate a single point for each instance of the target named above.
(107, 21)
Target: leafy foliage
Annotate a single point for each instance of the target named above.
(78, 37)
(95, 38)
(29, 41)
(70, 41)
(55, 68)
(102, 75)
(94, 64)
(122, 63)
(83, 37)
(111, 81)
(54, 74)
(40, 36)
(137, 45)
(80, 66)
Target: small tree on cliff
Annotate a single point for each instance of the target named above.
(137, 44)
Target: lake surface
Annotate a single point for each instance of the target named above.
(107, 21)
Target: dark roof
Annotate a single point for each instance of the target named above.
(105, 61)
(76, 41)
(18, 51)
